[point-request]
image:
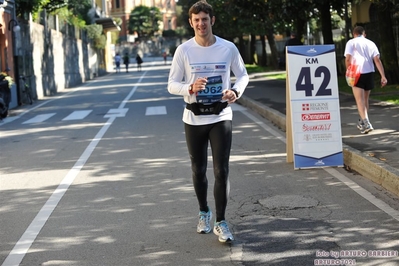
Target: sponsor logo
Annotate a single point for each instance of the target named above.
(220, 67)
(312, 50)
(196, 68)
(316, 116)
(318, 137)
(319, 162)
(315, 106)
(307, 137)
(318, 127)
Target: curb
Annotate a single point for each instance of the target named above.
(367, 166)
(270, 114)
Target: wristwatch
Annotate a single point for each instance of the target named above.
(190, 89)
(236, 92)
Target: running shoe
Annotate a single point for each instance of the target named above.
(367, 127)
(360, 124)
(222, 230)
(204, 223)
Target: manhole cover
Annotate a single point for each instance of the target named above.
(288, 202)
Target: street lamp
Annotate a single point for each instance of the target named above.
(16, 28)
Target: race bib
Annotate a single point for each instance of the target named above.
(212, 92)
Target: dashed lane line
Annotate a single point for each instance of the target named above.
(77, 115)
(39, 118)
(24, 243)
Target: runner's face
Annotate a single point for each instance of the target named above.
(202, 24)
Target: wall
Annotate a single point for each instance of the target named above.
(6, 48)
(59, 62)
(54, 60)
(360, 13)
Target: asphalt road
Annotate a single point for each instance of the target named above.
(100, 175)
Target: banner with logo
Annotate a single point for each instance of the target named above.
(315, 111)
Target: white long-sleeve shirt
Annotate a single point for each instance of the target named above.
(192, 61)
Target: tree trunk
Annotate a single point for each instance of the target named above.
(263, 59)
(326, 27)
(252, 49)
(387, 47)
(243, 49)
(273, 49)
(300, 26)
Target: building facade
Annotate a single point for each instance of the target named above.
(122, 9)
(100, 13)
(9, 41)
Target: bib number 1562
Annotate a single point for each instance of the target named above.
(304, 82)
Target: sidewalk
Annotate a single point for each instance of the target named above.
(374, 155)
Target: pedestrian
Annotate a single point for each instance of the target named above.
(126, 61)
(364, 53)
(118, 62)
(293, 40)
(139, 61)
(164, 55)
(200, 72)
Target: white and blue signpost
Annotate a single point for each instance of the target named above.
(313, 111)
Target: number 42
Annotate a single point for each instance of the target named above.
(304, 82)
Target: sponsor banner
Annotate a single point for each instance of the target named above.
(316, 117)
(315, 110)
(317, 137)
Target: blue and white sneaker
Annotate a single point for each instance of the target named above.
(222, 230)
(360, 124)
(204, 223)
(364, 126)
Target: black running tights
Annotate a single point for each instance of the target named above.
(219, 135)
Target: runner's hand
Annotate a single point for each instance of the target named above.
(384, 82)
(199, 84)
(229, 96)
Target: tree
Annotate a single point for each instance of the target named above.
(95, 33)
(144, 20)
(77, 7)
(24, 7)
(387, 44)
(241, 18)
(292, 15)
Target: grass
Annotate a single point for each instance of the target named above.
(389, 93)
(257, 69)
(277, 76)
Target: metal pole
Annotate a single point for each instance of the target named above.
(14, 23)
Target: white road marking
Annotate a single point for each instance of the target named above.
(156, 110)
(22, 246)
(352, 185)
(120, 112)
(77, 115)
(39, 118)
(265, 127)
(364, 193)
(11, 119)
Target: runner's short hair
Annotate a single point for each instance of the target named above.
(359, 30)
(201, 6)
